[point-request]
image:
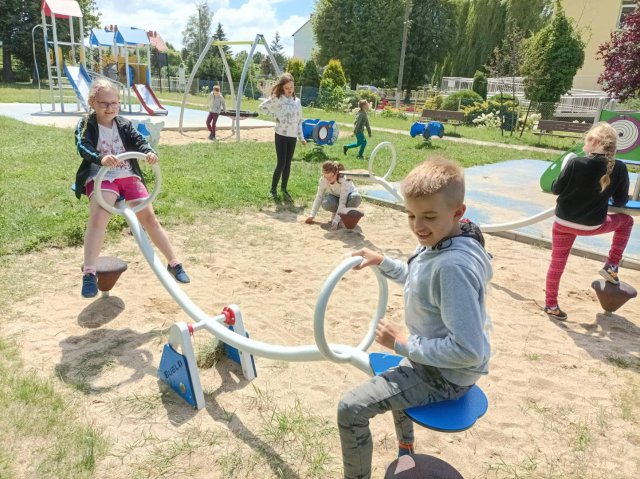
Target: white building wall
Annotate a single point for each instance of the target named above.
(304, 42)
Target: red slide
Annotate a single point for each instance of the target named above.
(148, 99)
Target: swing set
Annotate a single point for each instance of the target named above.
(236, 114)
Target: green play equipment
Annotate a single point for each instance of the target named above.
(627, 124)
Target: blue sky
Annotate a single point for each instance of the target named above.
(241, 19)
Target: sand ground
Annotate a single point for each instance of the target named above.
(564, 397)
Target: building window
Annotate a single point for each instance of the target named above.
(628, 6)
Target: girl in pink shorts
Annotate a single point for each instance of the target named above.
(100, 137)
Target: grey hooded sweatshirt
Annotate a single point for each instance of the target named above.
(445, 308)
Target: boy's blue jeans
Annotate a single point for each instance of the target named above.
(394, 390)
(361, 142)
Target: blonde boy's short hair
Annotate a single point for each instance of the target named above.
(216, 88)
(437, 175)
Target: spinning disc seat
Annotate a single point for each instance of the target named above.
(446, 416)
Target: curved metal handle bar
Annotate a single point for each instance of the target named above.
(213, 324)
(143, 204)
(383, 179)
(374, 153)
(514, 225)
(321, 308)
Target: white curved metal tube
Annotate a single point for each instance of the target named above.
(356, 357)
(143, 204)
(329, 351)
(519, 223)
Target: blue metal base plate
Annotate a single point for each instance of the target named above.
(174, 371)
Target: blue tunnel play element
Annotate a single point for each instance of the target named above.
(427, 130)
(321, 132)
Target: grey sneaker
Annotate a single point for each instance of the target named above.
(610, 273)
(178, 273)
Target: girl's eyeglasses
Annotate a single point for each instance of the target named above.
(105, 104)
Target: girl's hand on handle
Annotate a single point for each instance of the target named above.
(371, 258)
(110, 161)
(309, 220)
(304, 142)
(388, 334)
(152, 158)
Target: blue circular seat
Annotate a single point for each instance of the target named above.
(446, 416)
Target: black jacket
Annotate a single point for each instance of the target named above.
(578, 188)
(86, 137)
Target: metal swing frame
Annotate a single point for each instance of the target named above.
(238, 98)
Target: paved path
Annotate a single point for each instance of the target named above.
(469, 141)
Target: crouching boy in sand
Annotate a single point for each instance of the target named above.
(447, 347)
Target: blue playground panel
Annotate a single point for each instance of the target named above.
(320, 131)
(445, 416)
(510, 190)
(427, 130)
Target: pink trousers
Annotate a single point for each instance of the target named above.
(563, 238)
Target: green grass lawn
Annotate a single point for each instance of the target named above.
(39, 165)
(26, 93)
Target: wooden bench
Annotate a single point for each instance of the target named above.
(548, 127)
(454, 118)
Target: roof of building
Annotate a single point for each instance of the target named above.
(157, 41)
(294, 33)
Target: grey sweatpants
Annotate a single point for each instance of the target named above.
(330, 202)
(394, 390)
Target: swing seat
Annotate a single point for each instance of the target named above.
(446, 416)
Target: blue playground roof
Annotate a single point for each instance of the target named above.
(131, 36)
(101, 38)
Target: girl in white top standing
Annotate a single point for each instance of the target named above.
(334, 193)
(287, 110)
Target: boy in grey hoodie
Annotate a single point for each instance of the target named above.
(447, 347)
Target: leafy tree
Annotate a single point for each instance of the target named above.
(431, 36)
(528, 16)
(310, 76)
(335, 73)
(504, 65)
(480, 84)
(484, 28)
(18, 19)
(365, 35)
(295, 66)
(621, 56)
(267, 67)
(278, 51)
(551, 59)
(197, 31)
(257, 57)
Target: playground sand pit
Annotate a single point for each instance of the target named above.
(563, 397)
(172, 137)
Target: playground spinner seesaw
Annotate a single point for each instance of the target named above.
(178, 366)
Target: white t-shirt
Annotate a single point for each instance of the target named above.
(110, 143)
